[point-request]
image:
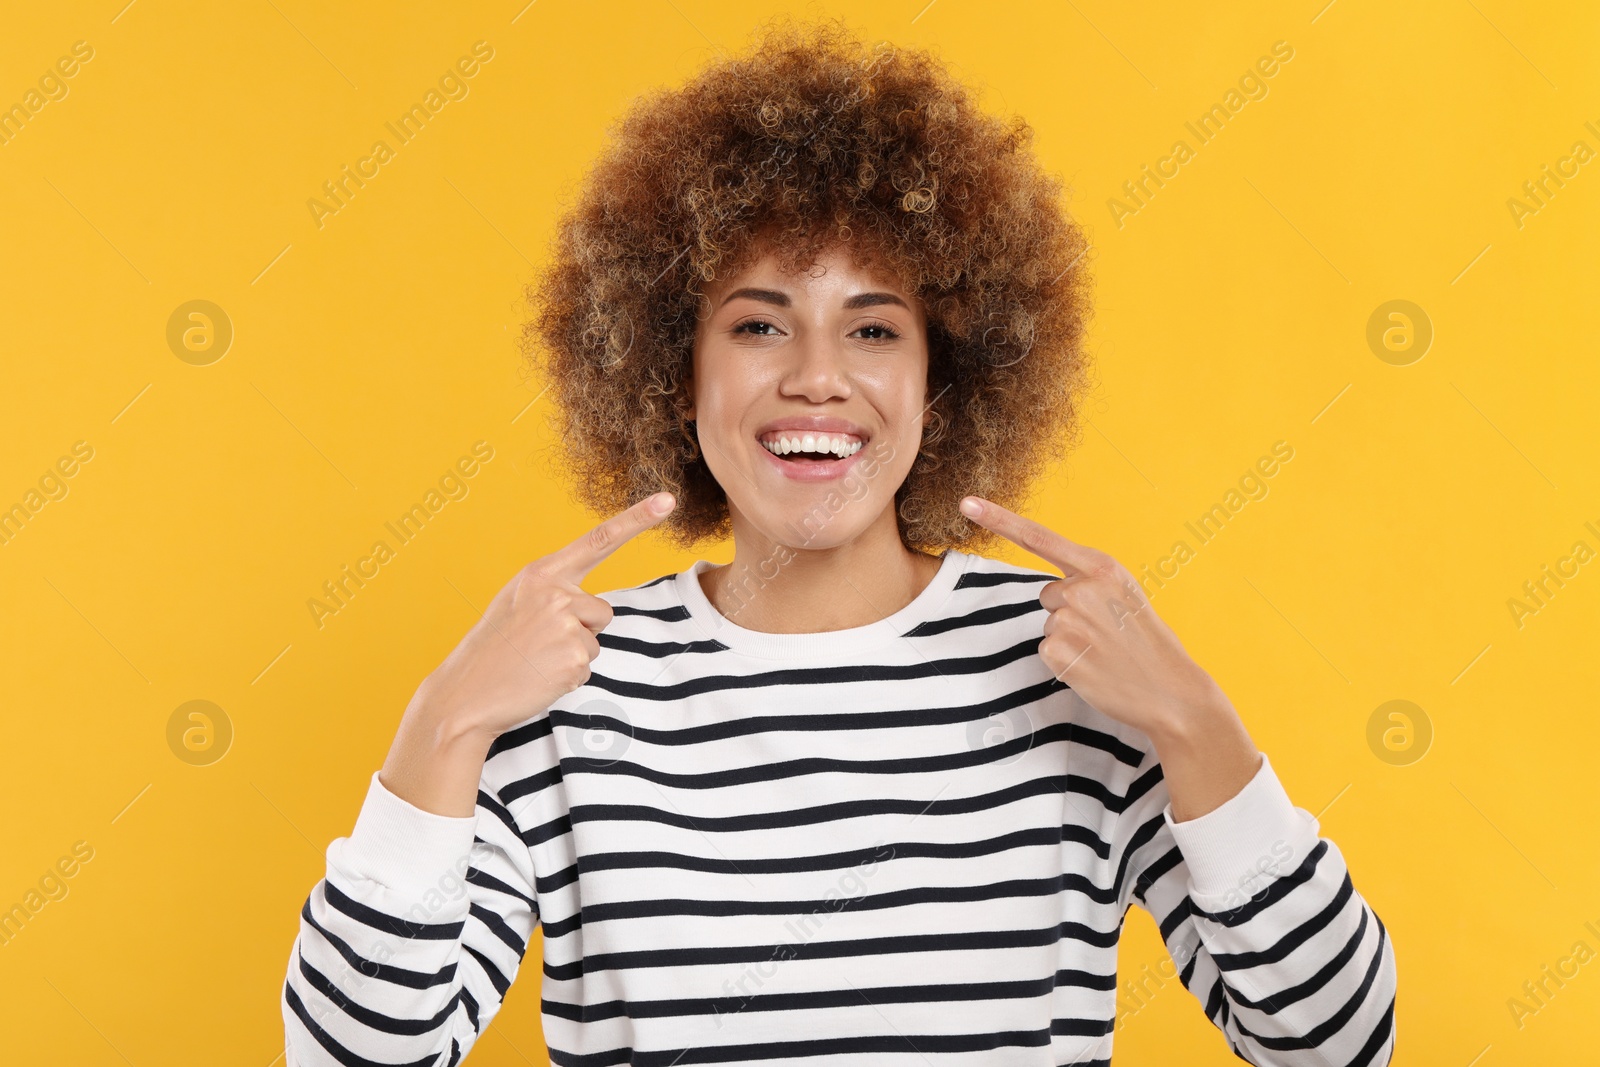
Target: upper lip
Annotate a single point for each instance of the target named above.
(814, 424)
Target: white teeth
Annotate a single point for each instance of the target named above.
(840, 445)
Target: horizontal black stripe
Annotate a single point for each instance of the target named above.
(1146, 832)
(498, 809)
(496, 978)
(677, 613)
(1042, 836)
(489, 881)
(820, 722)
(383, 972)
(1320, 1034)
(1367, 1057)
(498, 926)
(389, 924)
(1010, 889)
(1157, 870)
(533, 783)
(849, 949)
(1081, 1027)
(1293, 939)
(981, 617)
(812, 676)
(527, 733)
(1273, 1003)
(553, 929)
(984, 579)
(557, 827)
(332, 1047)
(1217, 1004)
(955, 992)
(656, 649)
(1275, 891)
(1092, 788)
(730, 777)
(375, 1020)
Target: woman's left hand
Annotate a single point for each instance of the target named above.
(1103, 638)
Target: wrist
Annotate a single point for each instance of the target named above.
(436, 761)
(1206, 755)
(1188, 722)
(443, 723)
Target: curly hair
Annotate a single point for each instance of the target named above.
(813, 140)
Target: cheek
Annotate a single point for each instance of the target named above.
(717, 405)
(732, 380)
(906, 402)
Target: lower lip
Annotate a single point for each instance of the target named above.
(813, 470)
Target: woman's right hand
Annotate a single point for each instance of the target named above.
(531, 647)
(535, 642)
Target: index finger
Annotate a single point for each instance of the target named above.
(574, 561)
(1071, 557)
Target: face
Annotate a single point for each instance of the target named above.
(828, 366)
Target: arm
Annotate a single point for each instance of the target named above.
(1260, 915)
(1256, 909)
(408, 944)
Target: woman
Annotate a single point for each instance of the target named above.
(860, 793)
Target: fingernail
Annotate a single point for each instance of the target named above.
(660, 503)
(970, 508)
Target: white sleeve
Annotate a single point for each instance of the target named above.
(409, 942)
(1260, 916)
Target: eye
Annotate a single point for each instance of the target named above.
(756, 328)
(884, 331)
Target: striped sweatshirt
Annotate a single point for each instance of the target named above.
(895, 844)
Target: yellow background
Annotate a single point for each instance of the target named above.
(370, 353)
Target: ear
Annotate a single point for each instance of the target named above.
(688, 392)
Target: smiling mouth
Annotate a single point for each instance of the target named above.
(809, 447)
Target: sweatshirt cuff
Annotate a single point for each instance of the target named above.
(398, 845)
(1236, 850)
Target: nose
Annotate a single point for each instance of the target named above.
(819, 368)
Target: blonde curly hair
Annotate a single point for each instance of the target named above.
(813, 139)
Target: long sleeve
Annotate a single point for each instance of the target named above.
(409, 942)
(1268, 932)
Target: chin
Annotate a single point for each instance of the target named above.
(830, 520)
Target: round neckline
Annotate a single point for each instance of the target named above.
(823, 643)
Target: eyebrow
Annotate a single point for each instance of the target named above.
(854, 303)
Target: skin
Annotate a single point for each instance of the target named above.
(775, 344)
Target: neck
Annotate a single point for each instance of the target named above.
(772, 587)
